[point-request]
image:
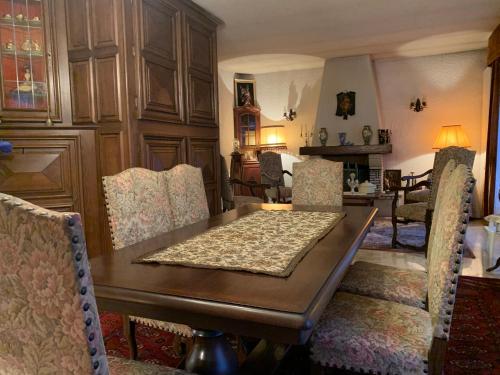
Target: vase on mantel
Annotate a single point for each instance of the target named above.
(323, 136)
(367, 134)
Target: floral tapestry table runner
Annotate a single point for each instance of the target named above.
(269, 242)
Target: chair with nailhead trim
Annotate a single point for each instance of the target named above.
(367, 334)
(140, 207)
(391, 283)
(50, 322)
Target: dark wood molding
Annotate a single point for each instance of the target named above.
(346, 150)
(492, 139)
(494, 46)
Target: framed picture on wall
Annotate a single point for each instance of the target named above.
(244, 92)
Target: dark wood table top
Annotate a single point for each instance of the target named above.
(281, 309)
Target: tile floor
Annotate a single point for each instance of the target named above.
(475, 239)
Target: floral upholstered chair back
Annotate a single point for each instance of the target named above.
(48, 316)
(138, 206)
(317, 182)
(446, 246)
(271, 169)
(459, 154)
(187, 195)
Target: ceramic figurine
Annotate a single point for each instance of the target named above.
(35, 19)
(7, 16)
(236, 145)
(9, 46)
(20, 17)
(35, 46)
(352, 182)
(26, 46)
(323, 136)
(343, 139)
(367, 134)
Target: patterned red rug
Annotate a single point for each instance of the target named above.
(474, 346)
(473, 349)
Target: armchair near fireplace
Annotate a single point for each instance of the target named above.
(423, 211)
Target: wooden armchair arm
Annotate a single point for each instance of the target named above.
(250, 184)
(407, 189)
(286, 172)
(408, 178)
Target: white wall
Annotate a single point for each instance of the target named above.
(297, 89)
(348, 74)
(453, 87)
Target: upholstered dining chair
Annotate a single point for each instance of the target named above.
(50, 323)
(404, 286)
(229, 200)
(140, 206)
(373, 335)
(317, 182)
(423, 211)
(271, 173)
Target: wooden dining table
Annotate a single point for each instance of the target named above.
(281, 311)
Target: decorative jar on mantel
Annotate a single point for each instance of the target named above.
(367, 134)
(323, 136)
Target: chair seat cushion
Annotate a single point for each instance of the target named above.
(422, 195)
(412, 211)
(122, 366)
(178, 329)
(285, 192)
(368, 334)
(241, 200)
(408, 287)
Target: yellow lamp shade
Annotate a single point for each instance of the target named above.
(272, 135)
(451, 135)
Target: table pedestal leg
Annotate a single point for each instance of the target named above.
(211, 354)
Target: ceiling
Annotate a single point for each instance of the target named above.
(269, 31)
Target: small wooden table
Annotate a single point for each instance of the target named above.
(282, 310)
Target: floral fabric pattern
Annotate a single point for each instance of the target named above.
(412, 211)
(47, 308)
(282, 237)
(138, 206)
(459, 154)
(317, 182)
(419, 195)
(445, 250)
(368, 334)
(408, 287)
(187, 194)
(122, 366)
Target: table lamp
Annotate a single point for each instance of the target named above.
(451, 135)
(273, 137)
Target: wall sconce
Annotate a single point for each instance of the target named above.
(290, 116)
(418, 105)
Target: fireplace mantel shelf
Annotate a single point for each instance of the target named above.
(346, 150)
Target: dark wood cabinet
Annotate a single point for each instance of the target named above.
(129, 84)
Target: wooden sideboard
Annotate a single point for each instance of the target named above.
(130, 84)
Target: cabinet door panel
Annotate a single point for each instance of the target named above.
(43, 169)
(162, 153)
(77, 16)
(203, 154)
(82, 93)
(160, 92)
(108, 90)
(160, 64)
(103, 26)
(201, 99)
(201, 74)
(200, 47)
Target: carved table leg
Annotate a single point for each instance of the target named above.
(211, 354)
(129, 333)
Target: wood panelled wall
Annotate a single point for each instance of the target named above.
(142, 82)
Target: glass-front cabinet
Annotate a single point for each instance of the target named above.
(247, 127)
(27, 69)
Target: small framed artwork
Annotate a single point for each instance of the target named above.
(244, 92)
(346, 104)
(392, 179)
